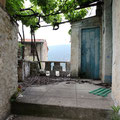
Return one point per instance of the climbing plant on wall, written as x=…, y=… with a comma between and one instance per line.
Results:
x=51, y=11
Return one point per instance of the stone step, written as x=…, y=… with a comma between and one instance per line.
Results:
x=24, y=117
x=55, y=111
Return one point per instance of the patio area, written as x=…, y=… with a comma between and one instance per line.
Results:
x=66, y=93
x=64, y=98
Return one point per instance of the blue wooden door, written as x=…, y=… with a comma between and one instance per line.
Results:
x=90, y=53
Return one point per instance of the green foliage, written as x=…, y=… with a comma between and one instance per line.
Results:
x=69, y=32
x=116, y=109
x=76, y=15
x=20, y=45
x=13, y=6
x=115, y=115
x=45, y=7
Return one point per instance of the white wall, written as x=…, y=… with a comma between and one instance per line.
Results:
x=107, y=42
x=116, y=52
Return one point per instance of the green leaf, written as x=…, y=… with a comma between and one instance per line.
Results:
x=45, y=7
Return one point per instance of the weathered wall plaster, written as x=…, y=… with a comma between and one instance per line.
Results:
x=8, y=62
x=41, y=49
x=75, y=52
x=116, y=52
x=107, y=42
x=23, y=70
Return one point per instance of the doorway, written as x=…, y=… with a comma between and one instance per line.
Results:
x=90, y=53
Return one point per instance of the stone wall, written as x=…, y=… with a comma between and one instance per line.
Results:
x=75, y=52
x=44, y=54
x=42, y=50
x=116, y=52
x=23, y=70
x=107, y=42
x=8, y=62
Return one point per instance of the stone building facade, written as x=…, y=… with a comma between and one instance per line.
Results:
x=42, y=50
x=104, y=60
x=8, y=62
x=24, y=66
x=110, y=57
x=76, y=42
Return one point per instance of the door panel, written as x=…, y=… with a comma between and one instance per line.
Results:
x=90, y=53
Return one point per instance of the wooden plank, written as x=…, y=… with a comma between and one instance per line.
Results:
x=97, y=53
x=83, y=57
x=92, y=53
x=88, y=54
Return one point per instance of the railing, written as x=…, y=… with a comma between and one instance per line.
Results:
x=56, y=68
x=48, y=68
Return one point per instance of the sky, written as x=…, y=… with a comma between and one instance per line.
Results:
x=53, y=37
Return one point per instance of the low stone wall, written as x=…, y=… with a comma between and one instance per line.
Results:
x=34, y=69
x=23, y=70
x=8, y=62
x=116, y=52
x=57, y=68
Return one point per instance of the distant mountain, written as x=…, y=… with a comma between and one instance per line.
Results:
x=59, y=53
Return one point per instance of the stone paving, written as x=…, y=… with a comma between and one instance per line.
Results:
x=66, y=93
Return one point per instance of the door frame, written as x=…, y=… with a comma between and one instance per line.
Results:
x=76, y=28
x=82, y=47
x=90, y=23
